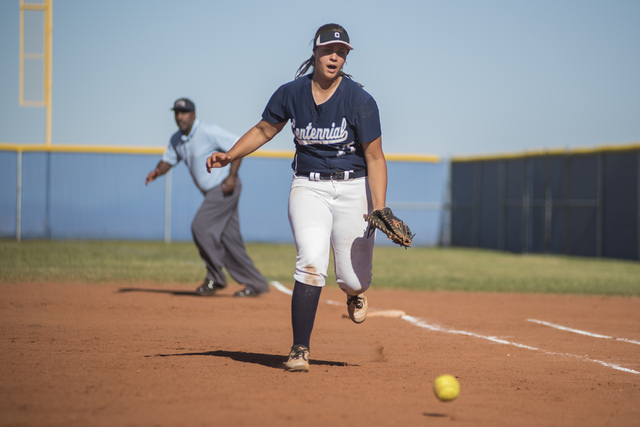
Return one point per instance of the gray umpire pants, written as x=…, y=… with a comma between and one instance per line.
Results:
x=216, y=232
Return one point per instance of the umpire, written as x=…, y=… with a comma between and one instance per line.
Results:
x=216, y=226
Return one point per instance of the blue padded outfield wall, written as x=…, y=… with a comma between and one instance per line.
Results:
x=87, y=194
x=583, y=203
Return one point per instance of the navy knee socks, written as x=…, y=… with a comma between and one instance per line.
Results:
x=304, y=303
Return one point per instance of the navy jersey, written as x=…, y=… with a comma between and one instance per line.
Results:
x=328, y=136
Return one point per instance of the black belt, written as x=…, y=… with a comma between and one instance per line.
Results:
x=335, y=176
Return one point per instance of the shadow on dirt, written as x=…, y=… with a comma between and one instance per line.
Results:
x=269, y=360
x=169, y=291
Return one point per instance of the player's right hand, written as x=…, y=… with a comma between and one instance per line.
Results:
x=218, y=160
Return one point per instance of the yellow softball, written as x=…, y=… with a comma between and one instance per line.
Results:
x=446, y=388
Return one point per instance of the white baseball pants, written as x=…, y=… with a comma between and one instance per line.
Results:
x=325, y=214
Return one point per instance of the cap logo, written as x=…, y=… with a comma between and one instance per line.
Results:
x=333, y=36
x=181, y=103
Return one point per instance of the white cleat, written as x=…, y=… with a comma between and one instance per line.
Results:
x=298, y=359
x=357, y=306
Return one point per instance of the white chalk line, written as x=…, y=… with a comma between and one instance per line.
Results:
x=436, y=328
x=417, y=322
x=281, y=288
x=578, y=331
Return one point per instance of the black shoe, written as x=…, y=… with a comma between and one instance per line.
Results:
x=208, y=288
x=248, y=292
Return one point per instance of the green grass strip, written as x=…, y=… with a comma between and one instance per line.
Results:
x=428, y=269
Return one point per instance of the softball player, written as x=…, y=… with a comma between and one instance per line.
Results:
x=340, y=174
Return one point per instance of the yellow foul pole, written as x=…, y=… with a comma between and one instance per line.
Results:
x=48, y=55
x=21, y=83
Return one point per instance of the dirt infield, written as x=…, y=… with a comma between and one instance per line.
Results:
x=106, y=355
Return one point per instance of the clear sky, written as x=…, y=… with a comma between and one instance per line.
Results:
x=451, y=77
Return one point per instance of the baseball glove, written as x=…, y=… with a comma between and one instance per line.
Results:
x=385, y=221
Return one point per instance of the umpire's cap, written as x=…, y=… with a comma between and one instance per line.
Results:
x=184, y=104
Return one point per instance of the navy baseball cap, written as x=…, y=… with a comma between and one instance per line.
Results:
x=329, y=37
x=184, y=104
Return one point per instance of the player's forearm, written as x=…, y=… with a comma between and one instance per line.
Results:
x=377, y=172
x=377, y=175
x=250, y=142
x=255, y=138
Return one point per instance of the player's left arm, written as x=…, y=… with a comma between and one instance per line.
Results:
x=377, y=172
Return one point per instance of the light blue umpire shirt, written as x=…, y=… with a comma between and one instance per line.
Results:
x=194, y=149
